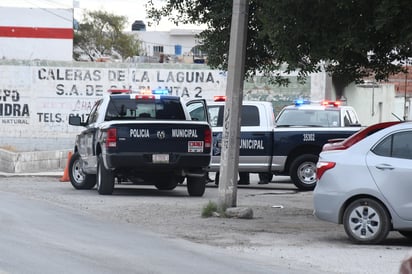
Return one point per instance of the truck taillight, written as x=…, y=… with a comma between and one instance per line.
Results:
x=111, y=140
x=208, y=138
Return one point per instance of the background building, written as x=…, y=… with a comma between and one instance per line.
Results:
x=173, y=46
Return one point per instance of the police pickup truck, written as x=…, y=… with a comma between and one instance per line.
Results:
x=288, y=145
x=142, y=139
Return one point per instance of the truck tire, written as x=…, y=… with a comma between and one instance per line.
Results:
x=78, y=178
x=265, y=177
x=105, y=178
x=303, y=171
x=196, y=186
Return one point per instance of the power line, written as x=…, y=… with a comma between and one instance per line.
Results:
x=50, y=11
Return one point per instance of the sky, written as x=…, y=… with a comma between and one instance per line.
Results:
x=132, y=9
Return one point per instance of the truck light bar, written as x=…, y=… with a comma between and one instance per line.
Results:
x=299, y=102
x=331, y=103
x=219, y=98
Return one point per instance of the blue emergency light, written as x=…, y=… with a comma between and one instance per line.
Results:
x=160, y=91
x=299, y=102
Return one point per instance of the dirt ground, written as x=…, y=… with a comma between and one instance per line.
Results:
x=283, y=228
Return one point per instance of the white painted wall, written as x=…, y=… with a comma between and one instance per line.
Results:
x=36, y=98
x=28, y=48
x=373, y=105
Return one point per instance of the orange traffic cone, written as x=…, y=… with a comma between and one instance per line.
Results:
x=65, y=177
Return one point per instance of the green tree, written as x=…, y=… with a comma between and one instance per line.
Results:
x=100, y=34
x=351, y=39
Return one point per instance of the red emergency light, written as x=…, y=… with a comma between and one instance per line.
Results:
x=331, y=103
x=219, y=98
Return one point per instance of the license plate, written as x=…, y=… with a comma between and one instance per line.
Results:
x=160, y=158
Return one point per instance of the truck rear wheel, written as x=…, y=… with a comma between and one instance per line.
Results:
x=78, y=178
x=105, y=178
x=196, y=186
x=303, y=171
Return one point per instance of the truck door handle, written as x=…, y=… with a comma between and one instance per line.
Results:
x=384, y=167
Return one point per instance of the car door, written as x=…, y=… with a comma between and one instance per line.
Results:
x=198, y=110
x=255, y=137
x=390, y=164
x=87, y=140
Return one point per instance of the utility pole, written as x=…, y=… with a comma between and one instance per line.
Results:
x=234, y=94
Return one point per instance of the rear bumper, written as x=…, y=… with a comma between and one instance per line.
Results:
x=327, y=206
x=144, y=162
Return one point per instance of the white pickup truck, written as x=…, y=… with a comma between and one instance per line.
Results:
x=288, y=145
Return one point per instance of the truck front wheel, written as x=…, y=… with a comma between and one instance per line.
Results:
x=196, y=186
x=303, y=171
x=105, y=178
x=265, y=177
x=78, y=178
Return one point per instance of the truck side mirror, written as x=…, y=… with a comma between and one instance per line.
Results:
x=75, y=121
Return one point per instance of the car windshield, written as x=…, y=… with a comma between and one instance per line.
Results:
x=308, y=117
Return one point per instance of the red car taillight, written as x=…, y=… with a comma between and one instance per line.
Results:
x=321, y=167
x=111, y=139
x=208, y=138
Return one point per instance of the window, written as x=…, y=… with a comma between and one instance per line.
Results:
x=349, y=118
x=94, y=113
x=130, y=109
x=397, y=145
x=309, y=117
x=250, y=116
x=157, y=50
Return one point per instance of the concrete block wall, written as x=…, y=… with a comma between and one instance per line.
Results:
x=36, y=161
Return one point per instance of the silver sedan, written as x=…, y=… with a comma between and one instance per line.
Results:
x=367, y=187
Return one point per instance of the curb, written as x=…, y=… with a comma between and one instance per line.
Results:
x=32, y=162
x=56, y=174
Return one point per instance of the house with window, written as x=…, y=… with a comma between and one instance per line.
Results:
x=173, y=46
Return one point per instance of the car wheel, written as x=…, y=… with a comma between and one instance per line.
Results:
x=105, y=178
x=166, y=182
x=196, y=186
x=303, y=171
x=366, y=221
x=78, y=178
x=406, y=234
x=265, y=177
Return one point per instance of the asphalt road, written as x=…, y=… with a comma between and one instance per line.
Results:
x=38, y=237
x=49, y=227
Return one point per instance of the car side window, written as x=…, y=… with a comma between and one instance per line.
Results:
x=250, y=116
x=94, y=113
x=401, y=147
x=349, y=118
x=396, y=146
x=214, y=115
